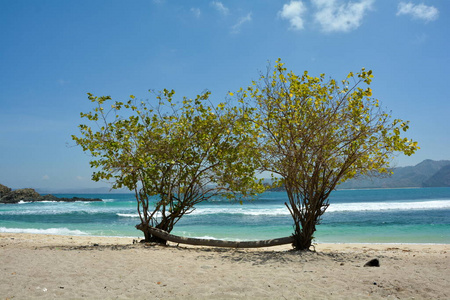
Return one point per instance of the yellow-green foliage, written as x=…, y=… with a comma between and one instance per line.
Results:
x=317, y=133
x=312, y=132
x=180, y=153
x=310, y=122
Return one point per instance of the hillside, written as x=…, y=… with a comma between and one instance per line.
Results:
x=440, y=178
x=428, y=173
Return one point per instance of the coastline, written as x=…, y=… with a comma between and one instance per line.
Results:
x=65, y=267
x=408, y=216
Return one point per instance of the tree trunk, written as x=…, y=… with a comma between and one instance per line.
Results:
x=148, y=236
x=302, y=243
x=219, y=243
x=303, y=236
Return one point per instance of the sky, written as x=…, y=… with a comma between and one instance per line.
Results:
x=52, y=53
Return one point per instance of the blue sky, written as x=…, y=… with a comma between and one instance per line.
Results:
x=53, y=52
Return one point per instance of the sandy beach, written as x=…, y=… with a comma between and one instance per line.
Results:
x=69, y=267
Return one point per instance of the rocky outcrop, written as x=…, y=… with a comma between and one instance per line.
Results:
x=20, y=195
x=30, y=195
x=4, y=190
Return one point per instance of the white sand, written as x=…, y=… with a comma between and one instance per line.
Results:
x=62, y=267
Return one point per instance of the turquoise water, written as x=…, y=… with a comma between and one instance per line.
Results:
x=354, y=216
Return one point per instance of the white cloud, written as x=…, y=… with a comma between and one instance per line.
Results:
x=293, y=12
x=237, y=27
x=419, y=11
x=196, y=11
x=220, y=7
x=333, y=16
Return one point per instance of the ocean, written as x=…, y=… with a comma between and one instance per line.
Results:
x=419, y=215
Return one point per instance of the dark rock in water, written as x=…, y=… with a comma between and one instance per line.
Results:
x=73, y=199
x=50, y=197
x=4, y=190
x=30, y=195
x=372, y=263
x=20, y=195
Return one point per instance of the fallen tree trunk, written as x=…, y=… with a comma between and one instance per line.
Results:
x=219, y=243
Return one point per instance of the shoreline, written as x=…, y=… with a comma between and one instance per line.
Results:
x=141, y=237
x=44, y=239
x=136, y=237
x=66, y=267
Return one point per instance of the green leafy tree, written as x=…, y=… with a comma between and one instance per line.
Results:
x=318, y=134
x=172, y=155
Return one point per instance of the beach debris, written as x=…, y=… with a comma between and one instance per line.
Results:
x=164, y=235
x=372, y=263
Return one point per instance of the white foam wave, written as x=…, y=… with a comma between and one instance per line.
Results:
x=205, y=237
x=128, y=215
x=257, y=211
x=382, y=206
x=245, y=210
x=337, y=207
x=108, y=200
x=279, y=210
x=55, y=231
x=136, y=215
x=55, y=201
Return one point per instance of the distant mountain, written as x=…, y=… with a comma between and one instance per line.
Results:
x=425, y=174
x=428, y=173
x=440, y=178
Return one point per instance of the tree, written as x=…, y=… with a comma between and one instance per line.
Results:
x=318, y=134
x=174, y=155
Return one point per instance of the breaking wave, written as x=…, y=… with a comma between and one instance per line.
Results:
x=279, y=210
x=55, y=231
